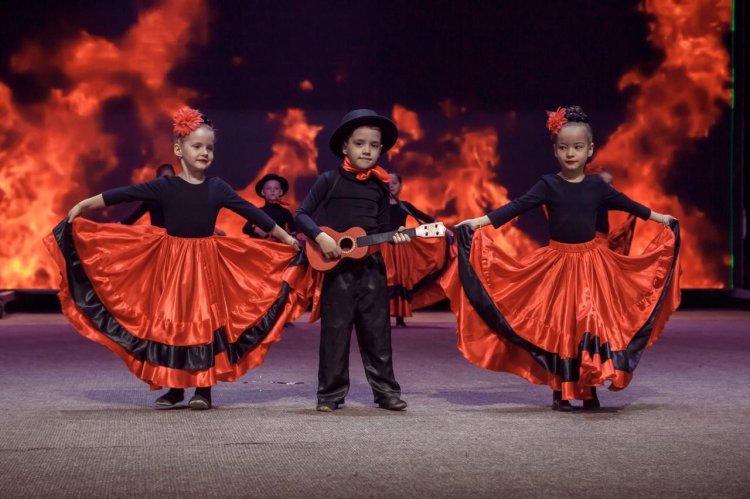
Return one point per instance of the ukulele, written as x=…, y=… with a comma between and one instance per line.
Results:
x=354, y=243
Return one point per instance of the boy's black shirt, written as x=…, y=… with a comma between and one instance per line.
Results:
x=350, y=203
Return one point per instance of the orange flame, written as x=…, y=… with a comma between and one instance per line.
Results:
x=47, y=144
x=679, y=102
x=458, y=185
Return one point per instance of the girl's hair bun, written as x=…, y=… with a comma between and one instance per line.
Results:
x=576, y=114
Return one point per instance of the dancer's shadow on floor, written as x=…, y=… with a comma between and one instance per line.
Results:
x=536, y=400
x=131, y=396
x=492, y=396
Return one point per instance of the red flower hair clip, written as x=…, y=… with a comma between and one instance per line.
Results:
x=185, y=121
x=556, y=120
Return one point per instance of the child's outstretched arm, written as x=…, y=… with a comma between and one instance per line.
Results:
x=475, y=223
x=281, y=235
x=616, y=200
x=661, y=218
x=138, y=192
x=255, y=215
x=533, y=198
x=87, y=204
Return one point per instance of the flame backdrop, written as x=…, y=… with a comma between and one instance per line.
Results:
x=87, y=89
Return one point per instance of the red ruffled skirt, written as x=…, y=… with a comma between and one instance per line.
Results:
x=412, y=270
x=429, y=291
x=620, y=238
x=571, y=316
x=179, y=312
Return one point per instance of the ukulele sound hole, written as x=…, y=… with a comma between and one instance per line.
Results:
x=346, y=244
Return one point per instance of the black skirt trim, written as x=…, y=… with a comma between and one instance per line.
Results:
x=195, y=358
x=567, y=369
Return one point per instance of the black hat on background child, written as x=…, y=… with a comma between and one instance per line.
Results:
x=358, y=118
x=271, y=176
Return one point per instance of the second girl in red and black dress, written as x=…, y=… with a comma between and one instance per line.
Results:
x=572, y=315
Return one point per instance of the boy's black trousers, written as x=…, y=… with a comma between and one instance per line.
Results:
x=355, y=293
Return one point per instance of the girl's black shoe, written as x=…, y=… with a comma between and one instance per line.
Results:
x=558, y=404
x=201, y=400
x=593, y=403
x=172, y=397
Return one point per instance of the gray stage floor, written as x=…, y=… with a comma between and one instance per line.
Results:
x=75, y=423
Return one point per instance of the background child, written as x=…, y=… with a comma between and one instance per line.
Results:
x=179, y=307
x=408, y=265
x=272, y=188
x=572, y=315
x=354, y=294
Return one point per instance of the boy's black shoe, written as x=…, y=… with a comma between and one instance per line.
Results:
x=327, y=406
x=558, y=404
x=172, y=397
x=593, y=403
x=392, y=404
x=201, y=400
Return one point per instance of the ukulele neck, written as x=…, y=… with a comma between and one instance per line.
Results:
x=383, y=237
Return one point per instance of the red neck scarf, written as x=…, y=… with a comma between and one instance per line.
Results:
x=279, y=202
x=376, y=170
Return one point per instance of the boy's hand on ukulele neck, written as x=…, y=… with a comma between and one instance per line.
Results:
x=328, y=246
x=399, y=237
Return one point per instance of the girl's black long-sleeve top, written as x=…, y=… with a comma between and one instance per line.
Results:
x=572, y=207
x=190, y=210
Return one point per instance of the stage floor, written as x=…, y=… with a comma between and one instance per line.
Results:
x=74, y=422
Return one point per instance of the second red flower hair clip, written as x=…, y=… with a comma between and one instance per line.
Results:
x=556, y=120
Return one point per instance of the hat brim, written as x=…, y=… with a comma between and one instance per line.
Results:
x=271, y=176
x=388, y=130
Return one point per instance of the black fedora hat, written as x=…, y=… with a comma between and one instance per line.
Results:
x=358, y=118
x=271, y=176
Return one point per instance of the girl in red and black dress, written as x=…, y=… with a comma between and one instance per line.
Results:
x=572, y=315
x=413, y=266
x=180, y=307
